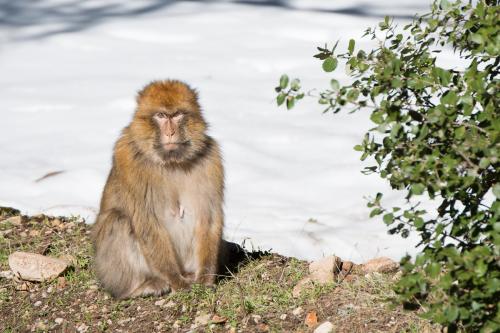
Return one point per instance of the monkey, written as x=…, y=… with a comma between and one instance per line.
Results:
x=160, y=222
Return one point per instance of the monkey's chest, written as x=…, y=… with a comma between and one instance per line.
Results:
x=180, y=223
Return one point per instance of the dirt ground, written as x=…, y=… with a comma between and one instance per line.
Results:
x=255, y=297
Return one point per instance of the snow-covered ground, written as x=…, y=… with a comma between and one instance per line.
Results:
x=69, y=72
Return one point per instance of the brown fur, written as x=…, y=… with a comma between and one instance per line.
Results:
x=160, y=222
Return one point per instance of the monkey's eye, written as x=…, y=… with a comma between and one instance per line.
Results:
x=161, y=115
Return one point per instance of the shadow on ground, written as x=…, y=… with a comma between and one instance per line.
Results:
x=52, y=17
x=233, y=257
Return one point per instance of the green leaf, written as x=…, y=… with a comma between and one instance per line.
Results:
x=329, y=64
x=388, y=218
x=496, y=190
x=290, y=102
x=335, y=84
x=433, y=269
x=283, y=81
x=351, y=46
x=295, y=84
x=280, y=99
x=417, y=189
x=358, y=148
x=451, y=313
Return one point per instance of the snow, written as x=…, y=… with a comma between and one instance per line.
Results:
x=70, y=71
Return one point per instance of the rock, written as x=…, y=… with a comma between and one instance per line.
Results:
x=160, y=302
x=325, y=327
x=298, y=311
x=262, y=327
x=56, y=223
x=61, y=282
x=256, y=318
x=14, y=220
x=202, y=320
x=70, y=260
x=283, y=316
x=216, y=319
x=170, y=304
x=35, y=267
x=324, y=270
x=311, y=319
x=37, y=304
x=380, y=265
x=59, y=321
x=300, y=286
x=347, y=266
x=82, y=328
x=7, y=275
x=34, y=233
x=5, y=232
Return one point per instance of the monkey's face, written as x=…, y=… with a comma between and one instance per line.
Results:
x=168, y=122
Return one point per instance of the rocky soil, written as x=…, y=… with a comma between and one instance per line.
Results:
x=47, y=284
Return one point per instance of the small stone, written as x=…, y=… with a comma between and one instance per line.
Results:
x=202, y=320
x=324, y=270
x=347, y=266
x=69, y=259
x=311, y=319
x=22, y=287
x=35, y=267
x=160, y=302
x=34, y=233
x=5, y=232
x=61, y=282
x=298, y=311
x=40, y=326
x=380, y=265
x=82, y=328
x=325, y=327
x=216, y=319
x=7, y=275
x=59, y=321
x=170, y=304
x=37, y=303
x=303, y=283
x=48, y=232
x=176, y=324
x=23, y=234
x=262, y=327
x=14, y=220
x=256, y=318
x=56, y=223
x=283, y=316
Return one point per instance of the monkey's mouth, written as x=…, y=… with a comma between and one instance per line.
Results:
x=174, y=145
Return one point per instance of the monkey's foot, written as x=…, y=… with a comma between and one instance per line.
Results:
x=152, y=286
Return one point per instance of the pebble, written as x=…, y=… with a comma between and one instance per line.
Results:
x=59, y=321
x=325, y=327
x=37, y=303
x=160, y=302
x=298, y=311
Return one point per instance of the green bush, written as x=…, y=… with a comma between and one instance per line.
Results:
x=436, y=137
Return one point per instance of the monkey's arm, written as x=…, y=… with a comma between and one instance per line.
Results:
x=208, y=235
x=160, y=255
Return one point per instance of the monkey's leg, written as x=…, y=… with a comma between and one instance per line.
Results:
x=161, y=257
x=119, y=263
x=208, y=235
x=152, y=286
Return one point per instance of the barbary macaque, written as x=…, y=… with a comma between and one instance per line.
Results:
x=160, y=222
